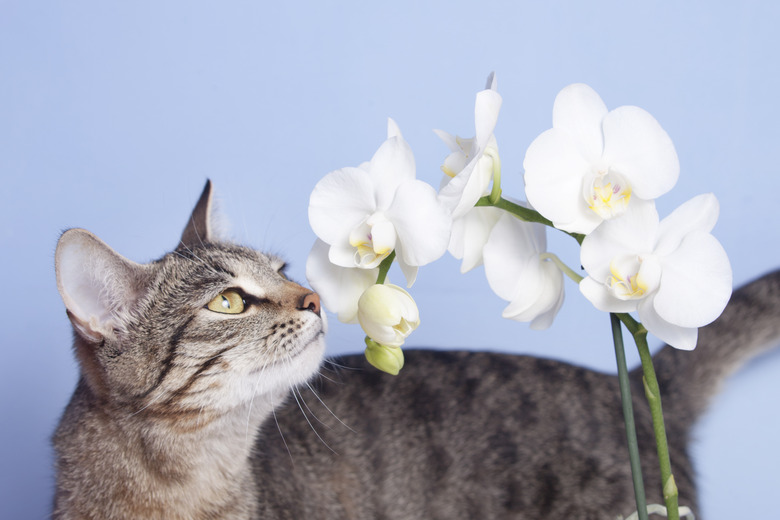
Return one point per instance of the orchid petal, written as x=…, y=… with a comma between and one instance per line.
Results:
x=578, y=111
x=696, y=282
x=391, y=165
x=554, y=280
x=470, y=234
x=454, y=164
x=409, y=271
x=598, y=294
x=554, y=169
x=383, y=236
x=633, y=233
x=509, y=255
x=636, y=146
x=683, y=338
x=423, y=239
x=392, y=129
x=339, y=202
x=486, y=110
x=540, y=309
x=698, y=214
x=339, y=287
x=449, y=139
x=343, y=255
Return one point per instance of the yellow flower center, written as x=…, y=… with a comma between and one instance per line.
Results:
x=607, y=193
x=373, y=240
x=633, y=277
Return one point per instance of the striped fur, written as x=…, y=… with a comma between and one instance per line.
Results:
x=183, y=413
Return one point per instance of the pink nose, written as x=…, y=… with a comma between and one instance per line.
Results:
x=311, y=302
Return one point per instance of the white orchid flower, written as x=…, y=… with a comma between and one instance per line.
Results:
x=518, y=270
x=339, y=287
x=673, y=273
x=365, y=213
x=387, y=314
x=469, y=168
x=470, y=233
x=592, y=164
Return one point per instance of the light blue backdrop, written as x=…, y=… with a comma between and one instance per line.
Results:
x=112, y=116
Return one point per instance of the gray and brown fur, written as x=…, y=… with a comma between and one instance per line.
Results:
x=182, y=413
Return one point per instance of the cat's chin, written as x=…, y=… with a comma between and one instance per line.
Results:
x=289, y=372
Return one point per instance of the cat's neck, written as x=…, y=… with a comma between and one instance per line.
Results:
x=156, y=467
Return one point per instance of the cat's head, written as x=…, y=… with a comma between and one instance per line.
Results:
x=209, y=326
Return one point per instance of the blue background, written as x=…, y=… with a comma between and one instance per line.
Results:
x=112, y=116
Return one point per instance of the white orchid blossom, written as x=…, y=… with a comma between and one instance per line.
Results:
x=339, y=287
x=365, y=213
x=518, y=270
x=673, y=273
x=470, y=233
x=387, y=314
x=469, y=168
x=592, y=164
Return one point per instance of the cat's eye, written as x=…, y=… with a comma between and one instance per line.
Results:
x=227, y=302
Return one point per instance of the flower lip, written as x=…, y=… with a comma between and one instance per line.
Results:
x=633, y=277
x=373, y=239
x=607, y=193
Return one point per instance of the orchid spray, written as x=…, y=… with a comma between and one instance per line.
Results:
x=594, y=175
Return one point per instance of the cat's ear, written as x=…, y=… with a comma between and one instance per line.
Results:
x=97, y=284
x=199, y=228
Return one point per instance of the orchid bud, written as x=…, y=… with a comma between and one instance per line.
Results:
x=387, y=314
x=387, y=359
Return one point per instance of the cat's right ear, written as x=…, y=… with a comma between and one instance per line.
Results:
x=97, y=284
x=199, y=228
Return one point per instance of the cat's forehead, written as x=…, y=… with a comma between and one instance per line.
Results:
x=227, y=261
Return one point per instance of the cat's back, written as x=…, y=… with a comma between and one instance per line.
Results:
x=454, y=435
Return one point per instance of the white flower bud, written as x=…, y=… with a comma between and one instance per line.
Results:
x=387, y=314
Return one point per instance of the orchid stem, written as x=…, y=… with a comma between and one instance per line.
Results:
x=568, y=271
x=653, y=394
x=523, y=213
x=384, y=267
x=628, y=418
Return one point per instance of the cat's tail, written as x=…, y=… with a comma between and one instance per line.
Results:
x=749, y=326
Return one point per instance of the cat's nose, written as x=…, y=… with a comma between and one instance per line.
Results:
x=311, y=302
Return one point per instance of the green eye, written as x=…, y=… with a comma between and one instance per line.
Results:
x=227, y=302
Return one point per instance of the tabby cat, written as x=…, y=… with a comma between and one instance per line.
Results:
x=203, y=394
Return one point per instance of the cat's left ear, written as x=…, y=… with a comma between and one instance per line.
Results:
x=199, y=229
x=98, y=285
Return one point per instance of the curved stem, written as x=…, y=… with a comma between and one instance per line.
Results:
x=568, y=271
x=384, y=267
x=628, y=418
x=523, y=213
x=653, y=394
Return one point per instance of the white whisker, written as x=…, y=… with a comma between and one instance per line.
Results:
x=284, y=441
x=310, y=423
x=328, y=409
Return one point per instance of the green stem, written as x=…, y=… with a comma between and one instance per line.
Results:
x=523, y=213
x=628, y=417
x=653, y=394
x=384, y=267
x=568, y=271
